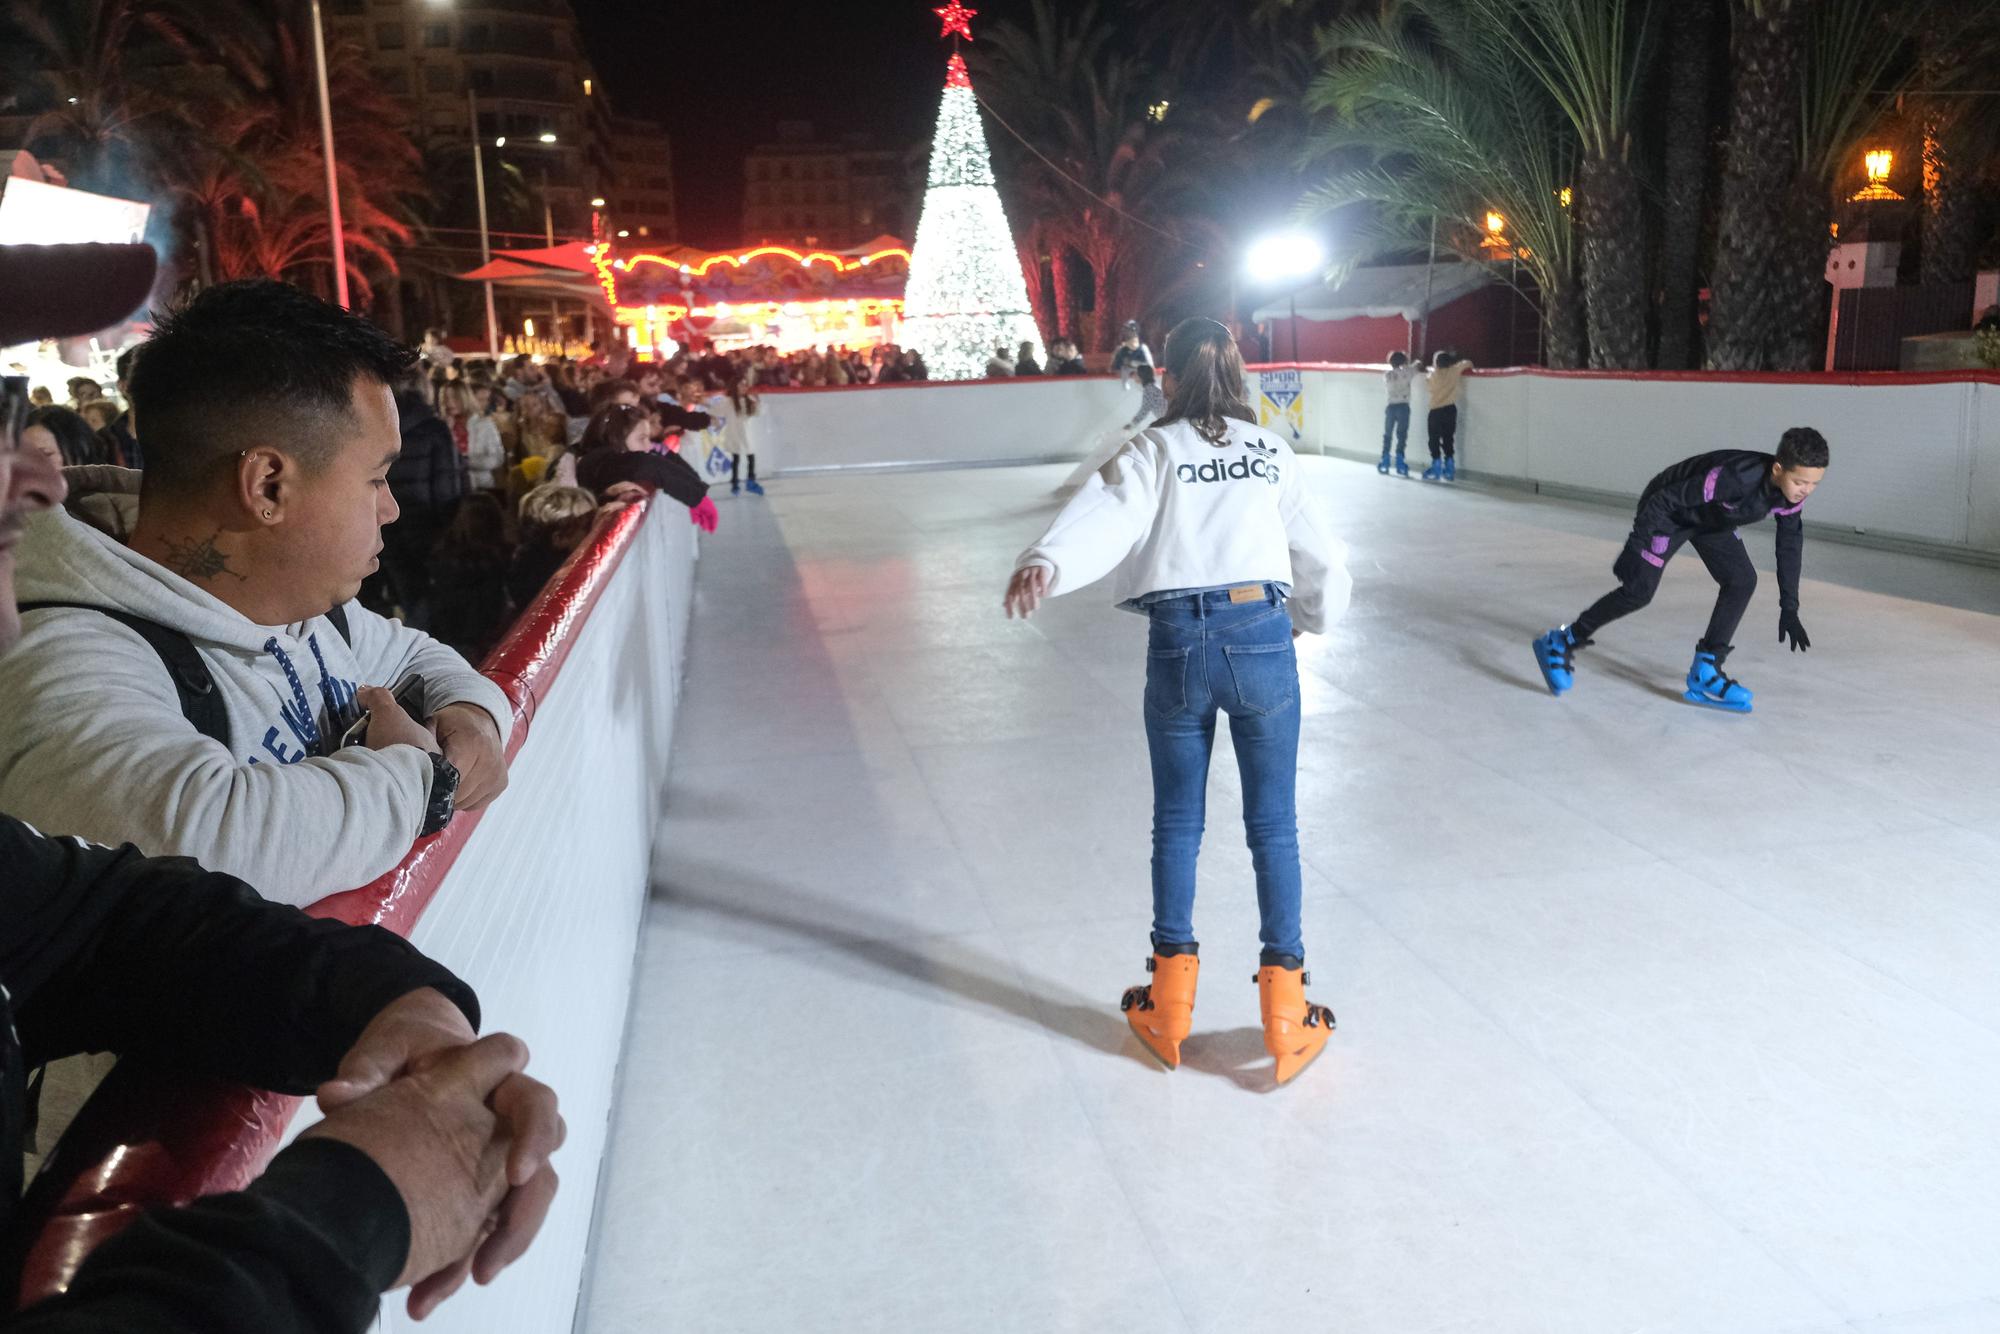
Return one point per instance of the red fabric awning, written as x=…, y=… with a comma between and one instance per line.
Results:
x=495, y=270
x=574, y=256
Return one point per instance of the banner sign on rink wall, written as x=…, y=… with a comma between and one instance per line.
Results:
x=1281, y=402
x=706, y=450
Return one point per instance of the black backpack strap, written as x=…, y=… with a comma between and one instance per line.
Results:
x=339, y=618
x=201, y=704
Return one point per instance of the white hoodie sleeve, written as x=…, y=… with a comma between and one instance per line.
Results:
x=389, y=651
x=105, y=753
x=1320, y=583
x=1104, y=521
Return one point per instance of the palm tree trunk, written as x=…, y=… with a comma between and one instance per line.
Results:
x=1767, y=57
x=1950, y=228
x=1951, y=231
x=1689, y=68
x=1613, y=225
x=1038, y=287
x=1799, y=279
x=1062, y=280
x=1563, y=326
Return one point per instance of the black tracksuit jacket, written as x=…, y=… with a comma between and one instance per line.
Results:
x=1714, y=493
x=601, y=469
x=103, y=949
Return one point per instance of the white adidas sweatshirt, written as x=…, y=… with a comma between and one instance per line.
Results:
x=93, y=742
x=1172, y=511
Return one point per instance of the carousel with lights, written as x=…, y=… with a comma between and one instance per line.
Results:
x=769, y=295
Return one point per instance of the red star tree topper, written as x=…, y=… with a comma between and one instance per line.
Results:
x=957, y=20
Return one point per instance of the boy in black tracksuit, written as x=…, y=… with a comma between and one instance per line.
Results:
x=1703, y=501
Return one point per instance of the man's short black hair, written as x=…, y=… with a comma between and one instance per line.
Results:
x=253, y=363
x=1802, y=447
x=125, y=363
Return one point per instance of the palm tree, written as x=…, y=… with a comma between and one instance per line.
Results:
x=1587, y=55
x=1097, y=163
x=109, y=83
x=259, y=182
x=1428, y=126
x=1810, y=77
x=213, y=107
x=1690, y=43
x=1956, y=51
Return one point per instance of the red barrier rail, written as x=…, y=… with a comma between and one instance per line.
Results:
x=151, y=1137
x=1861, y=378
x=929, y=384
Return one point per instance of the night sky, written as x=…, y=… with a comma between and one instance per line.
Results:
x=721, y=76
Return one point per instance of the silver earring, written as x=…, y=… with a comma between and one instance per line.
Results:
x=267, y=514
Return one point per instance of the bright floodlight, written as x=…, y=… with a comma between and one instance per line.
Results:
x=1285, y=255
x=548, y=138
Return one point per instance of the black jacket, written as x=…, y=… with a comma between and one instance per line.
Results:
x=682, y=419
x=1074, y=366
x=1713, y=493
x=534, y=562
x=103, y=949
x=120, y=446
x=429, y=476
x=601, y=468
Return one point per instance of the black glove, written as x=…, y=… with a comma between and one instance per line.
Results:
x=1789, y=627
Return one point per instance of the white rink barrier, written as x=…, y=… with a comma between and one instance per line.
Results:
x=970, y=423
x=541, y=911
x=1916, y=457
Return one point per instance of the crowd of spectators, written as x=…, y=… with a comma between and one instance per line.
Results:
x=1063, y=359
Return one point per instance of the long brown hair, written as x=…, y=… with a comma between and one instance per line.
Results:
x=1209, y=387
x=609, y=428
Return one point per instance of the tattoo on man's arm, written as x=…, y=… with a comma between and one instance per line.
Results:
x=199, y=559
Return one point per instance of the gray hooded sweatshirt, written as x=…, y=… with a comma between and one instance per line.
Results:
x=93, y=742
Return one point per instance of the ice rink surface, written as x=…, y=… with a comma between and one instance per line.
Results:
x=1651, y=1018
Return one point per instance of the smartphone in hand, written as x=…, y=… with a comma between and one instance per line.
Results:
x=410, y=698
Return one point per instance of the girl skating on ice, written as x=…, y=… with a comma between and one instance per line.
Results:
x=1206, y=527
x=1702, y=501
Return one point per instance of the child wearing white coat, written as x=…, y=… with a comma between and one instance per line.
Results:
x=1205, y=526
x=742, y=434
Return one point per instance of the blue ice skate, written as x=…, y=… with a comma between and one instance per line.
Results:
x=1555, y=654
x=1450, y=468
x=753, y=488
x=1435, y=472
x=1707, y=685
x=1383, y=466
x=1402, y=465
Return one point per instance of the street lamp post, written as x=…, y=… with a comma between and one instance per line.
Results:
x=549, y=234
x=326, y=150
x=485, y=237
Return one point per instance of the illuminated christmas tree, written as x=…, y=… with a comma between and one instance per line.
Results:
x=966, y=294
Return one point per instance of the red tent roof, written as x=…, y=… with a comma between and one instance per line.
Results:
x=496, y=269
x=574, y=256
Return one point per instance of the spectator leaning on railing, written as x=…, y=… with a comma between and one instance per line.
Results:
x=432, y=1164
x=189, y=689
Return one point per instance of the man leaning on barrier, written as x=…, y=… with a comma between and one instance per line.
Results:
x=432, y=1163
x=194, y=665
